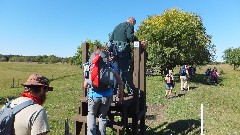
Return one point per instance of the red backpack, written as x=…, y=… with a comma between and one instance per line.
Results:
x=101, y=76
x=214, y=74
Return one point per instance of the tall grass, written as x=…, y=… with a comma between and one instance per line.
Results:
x=179, y=115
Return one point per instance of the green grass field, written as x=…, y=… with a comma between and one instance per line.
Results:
x=179, y=115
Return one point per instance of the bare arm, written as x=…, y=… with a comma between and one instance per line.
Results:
x=85, y=83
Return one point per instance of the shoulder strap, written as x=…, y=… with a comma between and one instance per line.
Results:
x=21, y=106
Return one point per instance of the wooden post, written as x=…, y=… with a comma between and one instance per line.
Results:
x=136, y=76
x=142, y=100
x=85, y=58
x=136, y=82
x=81, y=127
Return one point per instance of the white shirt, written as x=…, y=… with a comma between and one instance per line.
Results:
x=31, y=120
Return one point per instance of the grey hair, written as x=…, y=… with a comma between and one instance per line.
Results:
x=132, y=19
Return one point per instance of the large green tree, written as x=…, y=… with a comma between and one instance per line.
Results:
x=232, y=57
x=176, y=38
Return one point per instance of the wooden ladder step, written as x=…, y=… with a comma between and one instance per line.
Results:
x=80, y=118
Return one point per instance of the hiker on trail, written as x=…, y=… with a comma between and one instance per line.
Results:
x=119, y=47
x=100, y=92
x=208, y=75
x=214, y=76
x=184, y=77
x=191, y=70
x=32, y=120
x=169, y=79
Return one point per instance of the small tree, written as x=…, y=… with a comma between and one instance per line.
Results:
x=232, y=57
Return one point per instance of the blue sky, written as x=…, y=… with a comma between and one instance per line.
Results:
x=58, y=27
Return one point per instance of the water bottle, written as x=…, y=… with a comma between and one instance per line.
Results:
x=86, y=70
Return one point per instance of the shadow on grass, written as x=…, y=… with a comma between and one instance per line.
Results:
x=192, y=87
x=154, y=131
x=181, y=94
x=179, y=127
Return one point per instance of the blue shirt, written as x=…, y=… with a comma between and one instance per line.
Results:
x=99, y=94
x=114, y=66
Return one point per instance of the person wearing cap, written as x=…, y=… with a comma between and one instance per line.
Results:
x=32, y=120
x=119, y=46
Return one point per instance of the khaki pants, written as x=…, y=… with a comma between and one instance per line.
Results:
x=184, y=82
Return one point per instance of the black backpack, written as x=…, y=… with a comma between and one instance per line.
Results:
x=7, y=116
x=183, y=72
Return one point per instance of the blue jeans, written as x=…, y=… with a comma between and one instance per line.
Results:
x=98, y=107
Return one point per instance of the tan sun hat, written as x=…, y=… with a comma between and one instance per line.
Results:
x=36, y=79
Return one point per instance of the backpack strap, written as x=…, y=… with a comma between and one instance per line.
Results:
x=23, y=105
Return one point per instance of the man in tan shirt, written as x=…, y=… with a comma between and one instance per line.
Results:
x=32, y=120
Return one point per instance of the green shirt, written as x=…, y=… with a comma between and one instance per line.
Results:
x=123, y=32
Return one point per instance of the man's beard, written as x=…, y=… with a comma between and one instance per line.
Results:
x=43, y=98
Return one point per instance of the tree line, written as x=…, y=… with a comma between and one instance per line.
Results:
x=51, y=59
